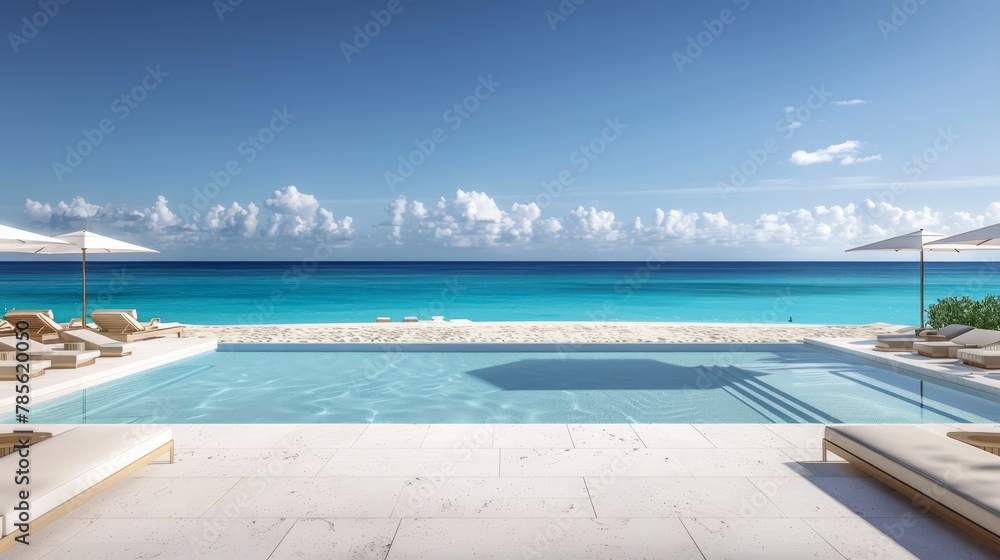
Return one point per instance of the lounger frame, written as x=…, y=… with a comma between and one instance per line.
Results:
x=123, y=326
x=918, y=498
x=42, y=327
x=144, y=334
x=9, y=541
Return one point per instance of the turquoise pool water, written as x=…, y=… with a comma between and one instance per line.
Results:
x=793, y=385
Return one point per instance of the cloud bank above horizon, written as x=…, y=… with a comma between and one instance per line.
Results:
x=292, y=219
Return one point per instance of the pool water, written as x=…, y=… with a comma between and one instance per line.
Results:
x=795, y=385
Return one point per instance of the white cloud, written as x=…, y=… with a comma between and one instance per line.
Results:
x=822, y=227
x=233, y=219
x=77, y=209
x=293, y=214
x=802, y=157
x=159, y=216
x=290, y=202
x=593, y=224
x=418, y=210
x=845, y=152
x=850, y=160
x=792, y=124
x=847, y=102
x=297, y=214
x=474, y=219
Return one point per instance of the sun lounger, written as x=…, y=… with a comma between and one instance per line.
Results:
x=61, y=359
x=11, y=442
x=10, y=370
x=977, y=338
x=73, y=467
x=123, y=325
x=383, y=319
x=952, y=479
x=91, y=340
x=902, y=342
x=981, y=358
x=6, y=329
x=410, y=320
x=42, y=325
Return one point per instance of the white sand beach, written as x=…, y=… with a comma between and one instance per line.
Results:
x=530, y=331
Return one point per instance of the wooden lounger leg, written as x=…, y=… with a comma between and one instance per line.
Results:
x=171, y=451
x=824, y=450
x=38, y=523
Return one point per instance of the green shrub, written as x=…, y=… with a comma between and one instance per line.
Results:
x=982, y=314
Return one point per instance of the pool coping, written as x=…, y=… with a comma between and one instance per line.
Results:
x=946, y=370
x=58, y=382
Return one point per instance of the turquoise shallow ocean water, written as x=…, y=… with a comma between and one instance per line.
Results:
x=280, y=292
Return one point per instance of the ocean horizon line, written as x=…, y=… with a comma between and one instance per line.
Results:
x=50, y=259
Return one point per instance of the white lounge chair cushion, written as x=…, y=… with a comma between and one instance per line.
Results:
x=96, y=339
x=8, y=368
x=58, y=356
x=125, y=321
x=117, y=320
x=949, y=332
x=11, y=343
x=74, y=461
x=957, y=475
x=976, y=338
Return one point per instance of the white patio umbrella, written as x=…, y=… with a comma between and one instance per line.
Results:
x=82, y=242
x=18, y=239
x=919, y=241
x=983, y=238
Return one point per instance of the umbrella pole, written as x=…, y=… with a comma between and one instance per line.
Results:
x=84, y=310
x=921, y=288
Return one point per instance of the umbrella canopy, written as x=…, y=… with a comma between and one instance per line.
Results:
x=87, y=241
x=84, y=242
x=19, y=240
x=982, y=238
x=919, y=241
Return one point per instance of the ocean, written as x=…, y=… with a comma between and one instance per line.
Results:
x=310, y=292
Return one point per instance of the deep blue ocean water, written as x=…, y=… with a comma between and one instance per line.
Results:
x=290, y=292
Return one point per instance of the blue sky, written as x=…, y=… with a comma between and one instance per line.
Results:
x=644, y=109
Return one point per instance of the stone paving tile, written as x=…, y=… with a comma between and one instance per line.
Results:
x=591, y=462
x=413, y=462
x=510, y=436
x=552, y=539
x=337, y=539
x=764, y=538
x=392, y=436
x=601, y=436
x=902, y=538
x=494, y=497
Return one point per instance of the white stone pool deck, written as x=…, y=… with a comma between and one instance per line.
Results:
x=950, y=370
x=401, y=491
x=146, y=355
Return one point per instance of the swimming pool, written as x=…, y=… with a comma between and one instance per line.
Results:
x=786, y=383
